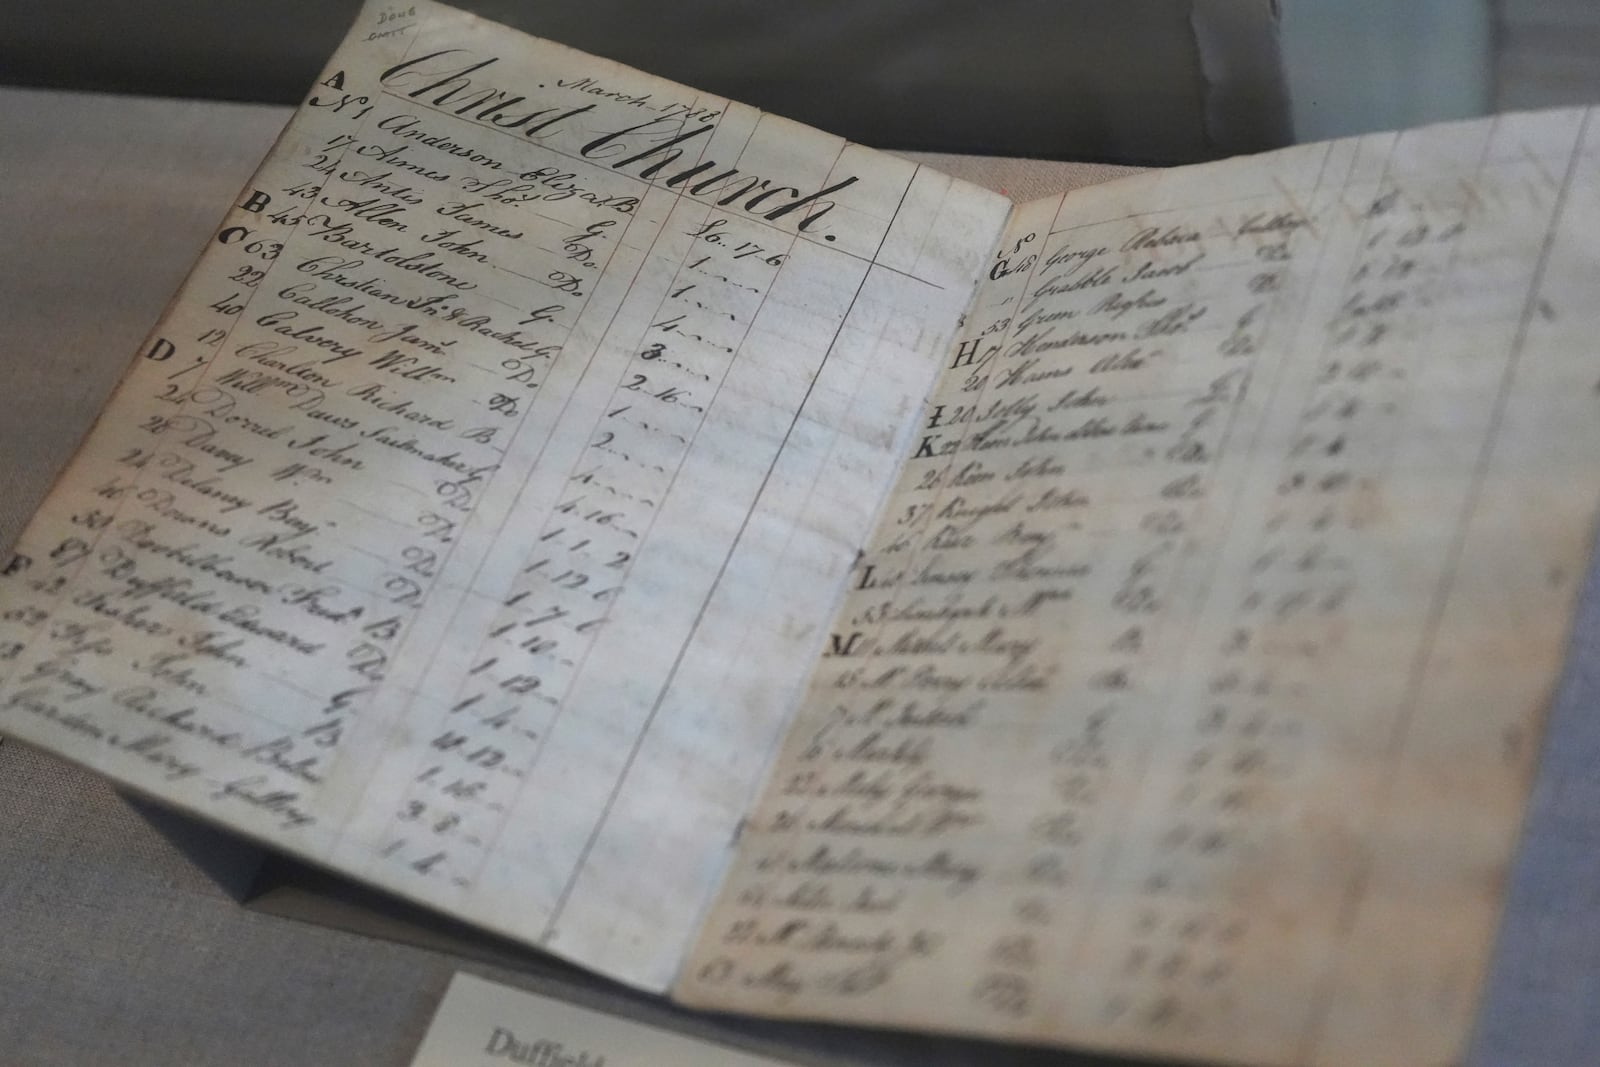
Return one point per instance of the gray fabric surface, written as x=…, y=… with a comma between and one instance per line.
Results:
x=1542, y=1005
x=122, y=937
x=1133, y=80
x=117, y=949
x=106, y=202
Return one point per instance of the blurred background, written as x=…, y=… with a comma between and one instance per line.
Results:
x=1125, y=81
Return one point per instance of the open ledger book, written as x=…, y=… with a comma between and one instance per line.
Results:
x=765, y=570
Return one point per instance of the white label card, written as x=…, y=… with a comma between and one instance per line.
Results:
x=481, y=1023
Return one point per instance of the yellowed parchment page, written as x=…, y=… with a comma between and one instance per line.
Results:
x=1187, y=696
x=469, y=521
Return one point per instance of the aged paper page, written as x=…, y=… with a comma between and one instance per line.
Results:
x=469, y=522
x=1188, y=694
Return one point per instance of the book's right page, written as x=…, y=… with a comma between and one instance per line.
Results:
x=1188, y=696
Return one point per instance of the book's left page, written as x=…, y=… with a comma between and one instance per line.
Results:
x=470, y=517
